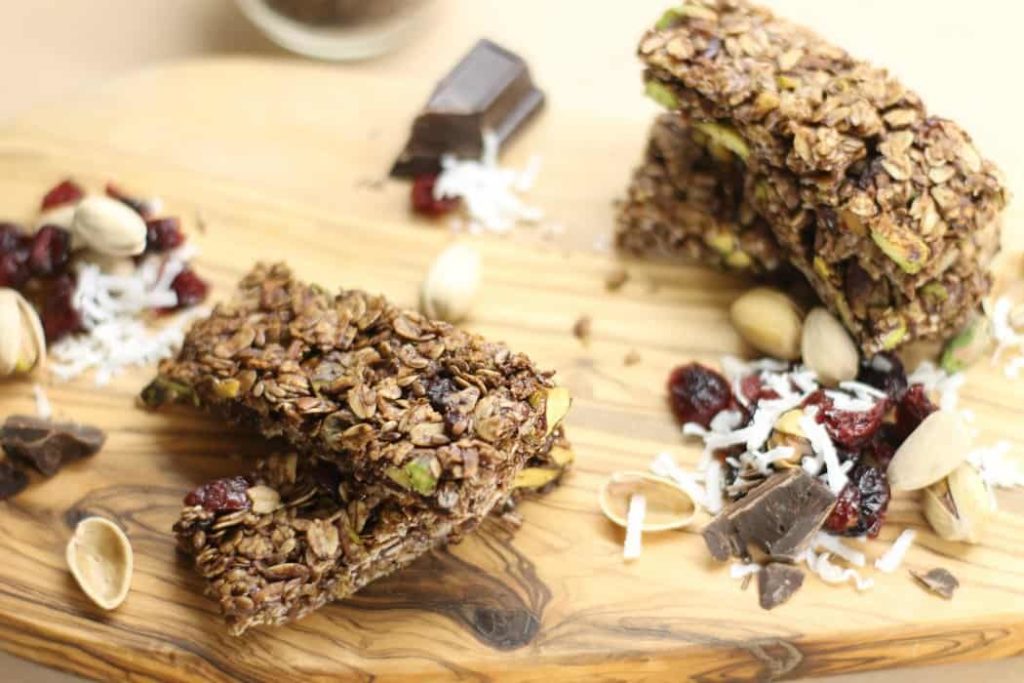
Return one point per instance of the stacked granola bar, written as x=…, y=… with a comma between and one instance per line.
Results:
x=429, y=426
x=890, y=213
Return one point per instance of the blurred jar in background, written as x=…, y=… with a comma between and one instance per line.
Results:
x=336, y=29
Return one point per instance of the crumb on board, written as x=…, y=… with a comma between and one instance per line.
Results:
x=632, y=358
x=581, y=329
x=614, y=281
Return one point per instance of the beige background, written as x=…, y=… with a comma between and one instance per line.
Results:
x=962, y=56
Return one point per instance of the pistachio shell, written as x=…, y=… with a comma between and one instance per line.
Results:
x=109, y=227
x=561, y=456
x=535, y=477
x=668, y=505
x=22, y=342
x=100, y=558
x=769, y=321
x=959, y=506
x=828, y=348
x=556, y=407
x=933, y=450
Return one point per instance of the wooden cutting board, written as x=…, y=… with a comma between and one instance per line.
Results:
x=281, y=159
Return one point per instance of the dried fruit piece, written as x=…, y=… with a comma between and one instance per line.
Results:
x=65, y=192
x=423, y=200
x=828, y=349
x=911, y=411
x=851, y=429
x=59, y=316
x=48, y=445
x=932, y=451
x=190, y=288
x=861, y=506
x=939, y=581
x=769, y=321
x=884, y=371
x=221, y=495
x=100, y=558
x=50, y=251
x=668, y=505
x=163, y=234
x=697, y=394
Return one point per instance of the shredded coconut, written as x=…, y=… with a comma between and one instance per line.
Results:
x=111, y=305
x=830, y=572
x=634, y=526
x=43, y=407
x=1007, y=338
x=714, y=484
x=665, y=466
x=489, y=192
x=997, y=469
x=824, y=449
x=835, y=546
x=739, y=570
x=893, y=557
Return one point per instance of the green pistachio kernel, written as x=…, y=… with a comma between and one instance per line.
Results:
x=891, y=339
x=162, y=391
x=662, y=94
x=415, y=475
x=969, y=345
x=905, y=248
x=726, y=136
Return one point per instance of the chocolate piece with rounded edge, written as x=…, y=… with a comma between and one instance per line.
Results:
x=48, y=445
x=777, y=582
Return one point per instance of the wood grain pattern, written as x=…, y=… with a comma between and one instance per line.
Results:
x=554, y=599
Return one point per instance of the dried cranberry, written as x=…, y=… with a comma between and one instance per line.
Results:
x=221, y=495
x=141, y=206
x=423, y=201
x=14, y=270
x=11, y=238
x=50, y=251
x=912, y=409
x=882, y=447
x=438, y=391
x=58, y=314
x=65, y=192
x=697, y=393
x=190, y=288
x=885, y=372
x=852, y=429
x=861, y=506
x=754, y=389
x=163, y=234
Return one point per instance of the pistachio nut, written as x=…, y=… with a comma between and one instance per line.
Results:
x=100, y=558
x=972, y=343
x=788, y=432
x=726, y=136
x=22, y=343
x=959, y=506
x=109, y=227
x=828, y=348
x=901, y=245
x=662, y=94
x=769, y=321
x=668, y=505
x=937, y=447
x=451, y=284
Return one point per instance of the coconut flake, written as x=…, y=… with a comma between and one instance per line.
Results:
x=43, y=408
x=665, y=466
x=714, y=485
x=861, y=390
x=726, y=421
x=824, y=449
x=739, y=570
x=835, y=546
x=634, y=526
x=997, y=469
x=832, y=573
x=893, y=557
x=489, y=192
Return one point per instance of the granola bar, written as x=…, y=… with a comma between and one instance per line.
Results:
x=417, y=407
x=686, y=202
x=890, y=213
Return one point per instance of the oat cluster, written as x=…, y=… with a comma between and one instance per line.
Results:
x=890, y=212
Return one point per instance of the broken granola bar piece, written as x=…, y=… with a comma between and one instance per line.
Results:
x=890, y=212
x=686, y=202
x=413, y=405
x=780, y=517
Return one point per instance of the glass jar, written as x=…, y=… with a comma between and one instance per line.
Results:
x=336, y=29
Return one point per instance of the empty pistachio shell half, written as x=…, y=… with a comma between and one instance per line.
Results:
x=769, y=321
x=933, y=450
x=958, y=506
x=668, y=506
x=828, y=348
x=100, y=558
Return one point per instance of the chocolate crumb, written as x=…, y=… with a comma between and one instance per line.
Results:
x=581, y=329
x=12, y=480
x=939, y=581
x=780, y=517
x=47, y=445
x=776, y=583
x=632, y=358
x=616, y=279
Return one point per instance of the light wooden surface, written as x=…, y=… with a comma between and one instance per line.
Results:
x=281, y=159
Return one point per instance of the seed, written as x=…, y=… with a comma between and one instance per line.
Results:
x=932, y=451
x=769, y=321
x=828, y=349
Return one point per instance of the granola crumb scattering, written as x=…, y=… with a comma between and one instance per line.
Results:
x=581, y=329
x=616, y=279
x=890, y=213
x=631, y=358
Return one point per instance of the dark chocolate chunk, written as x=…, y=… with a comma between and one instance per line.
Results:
x=776, y=583
x=939, y=581
x=779, y=516
x=489, y=89
x=48, y=445
x=12, y=480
